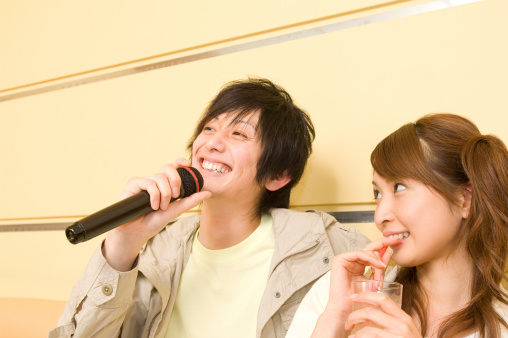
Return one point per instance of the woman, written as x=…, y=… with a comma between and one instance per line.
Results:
x=441, y=189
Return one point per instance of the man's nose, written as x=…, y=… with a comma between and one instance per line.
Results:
x=216, y=141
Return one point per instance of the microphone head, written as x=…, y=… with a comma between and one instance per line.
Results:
x=192, y=181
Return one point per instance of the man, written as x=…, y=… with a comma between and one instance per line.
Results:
x=240, y=267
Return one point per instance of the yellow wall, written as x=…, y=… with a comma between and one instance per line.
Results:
x=69, y=152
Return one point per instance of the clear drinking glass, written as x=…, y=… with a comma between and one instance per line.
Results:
x=391, y=289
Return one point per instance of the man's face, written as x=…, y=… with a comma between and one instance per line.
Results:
x=226, y=153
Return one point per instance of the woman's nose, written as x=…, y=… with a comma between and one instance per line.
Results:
x=383, y=213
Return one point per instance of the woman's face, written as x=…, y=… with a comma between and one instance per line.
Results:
x=426, y=223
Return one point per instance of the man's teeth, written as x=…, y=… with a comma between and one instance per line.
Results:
x=401, y=236
x=214, y=167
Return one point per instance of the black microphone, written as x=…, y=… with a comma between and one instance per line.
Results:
x=128, y=209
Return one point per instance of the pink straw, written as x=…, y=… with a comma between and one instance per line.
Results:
x=381, y=254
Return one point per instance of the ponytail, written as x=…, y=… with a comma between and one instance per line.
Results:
x=485, y=162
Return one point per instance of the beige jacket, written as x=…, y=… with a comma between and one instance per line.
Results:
x=138, y=303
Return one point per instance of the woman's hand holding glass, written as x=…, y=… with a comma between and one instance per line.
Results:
x=348, y=267
x=388, y=318
x=384, y=315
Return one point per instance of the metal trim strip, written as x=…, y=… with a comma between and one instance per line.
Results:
x=342, y=216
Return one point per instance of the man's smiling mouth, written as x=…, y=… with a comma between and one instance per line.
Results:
x=215, y=167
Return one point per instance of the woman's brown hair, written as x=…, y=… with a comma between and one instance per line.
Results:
x=448, y=153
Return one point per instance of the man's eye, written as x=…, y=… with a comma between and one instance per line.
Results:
x=399, y=187
x=237, y=133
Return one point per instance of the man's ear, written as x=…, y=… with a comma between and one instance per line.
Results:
x=466, y=200
x=279, y=182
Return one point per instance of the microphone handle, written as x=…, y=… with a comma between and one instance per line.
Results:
x=109, y=218
x=128, y=209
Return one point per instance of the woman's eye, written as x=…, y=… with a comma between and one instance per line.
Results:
x=377, y=194
x=399, y=187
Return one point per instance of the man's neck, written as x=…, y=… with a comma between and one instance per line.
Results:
x=223, y=225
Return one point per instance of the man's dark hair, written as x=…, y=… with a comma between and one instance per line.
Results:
x=286, y=132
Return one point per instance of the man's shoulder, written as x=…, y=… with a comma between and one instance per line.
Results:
x=297, y=224
x=312, y=216
x=342, y=237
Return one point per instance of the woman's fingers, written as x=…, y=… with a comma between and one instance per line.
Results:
x=381, y=311
x=381, y=243
x=355, y=262
x=347, y=267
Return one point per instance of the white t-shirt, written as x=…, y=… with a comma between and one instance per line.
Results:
x=314, y=303
x=220, y=290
